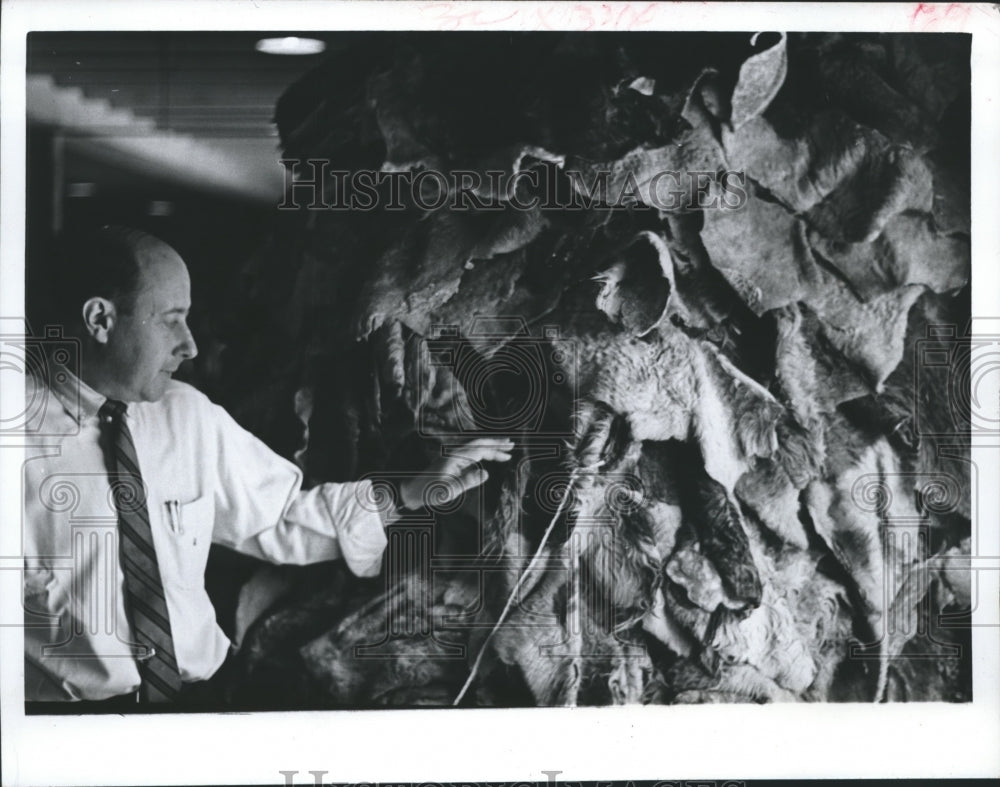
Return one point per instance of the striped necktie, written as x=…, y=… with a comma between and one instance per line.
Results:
x=145, y=603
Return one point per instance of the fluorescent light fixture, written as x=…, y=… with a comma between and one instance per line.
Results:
x=290, y=45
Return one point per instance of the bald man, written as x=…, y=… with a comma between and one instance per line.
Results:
x=132, y=475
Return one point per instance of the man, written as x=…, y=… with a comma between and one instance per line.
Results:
x=133, y=475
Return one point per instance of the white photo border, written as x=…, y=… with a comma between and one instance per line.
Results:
x=934, y=740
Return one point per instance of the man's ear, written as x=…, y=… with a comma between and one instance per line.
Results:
x=99, y=318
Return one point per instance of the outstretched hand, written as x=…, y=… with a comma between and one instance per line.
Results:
x=448, y=477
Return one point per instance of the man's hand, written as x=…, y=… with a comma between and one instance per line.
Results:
x=450, y=476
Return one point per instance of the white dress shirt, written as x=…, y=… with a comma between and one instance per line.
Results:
x=207, y=480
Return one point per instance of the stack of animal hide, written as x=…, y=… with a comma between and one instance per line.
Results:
x=741, y=468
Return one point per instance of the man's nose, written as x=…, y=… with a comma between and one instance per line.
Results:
x=187, y=348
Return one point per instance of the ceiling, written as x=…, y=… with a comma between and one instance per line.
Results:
x=168, y=103
x=207, y=84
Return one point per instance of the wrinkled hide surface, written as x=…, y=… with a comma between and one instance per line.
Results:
x=741, y=471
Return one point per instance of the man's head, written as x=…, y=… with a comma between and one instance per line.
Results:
x=132, y=293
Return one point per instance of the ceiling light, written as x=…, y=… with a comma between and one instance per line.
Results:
x=290, y=45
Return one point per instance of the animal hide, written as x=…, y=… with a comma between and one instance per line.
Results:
x=741, y=471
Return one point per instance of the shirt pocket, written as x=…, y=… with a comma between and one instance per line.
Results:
x=183, y=540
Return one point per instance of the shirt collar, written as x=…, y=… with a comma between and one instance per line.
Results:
x=78, y=399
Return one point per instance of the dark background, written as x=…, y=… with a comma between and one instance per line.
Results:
x=100, y=105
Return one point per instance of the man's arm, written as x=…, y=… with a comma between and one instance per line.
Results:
x=262, y=511
x=329, y=521
x=357, y=518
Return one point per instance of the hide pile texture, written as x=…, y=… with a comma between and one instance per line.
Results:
x=742, y=463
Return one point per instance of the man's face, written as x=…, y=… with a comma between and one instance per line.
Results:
x=150, y=337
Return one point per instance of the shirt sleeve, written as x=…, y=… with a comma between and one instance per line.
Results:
x=262, y=511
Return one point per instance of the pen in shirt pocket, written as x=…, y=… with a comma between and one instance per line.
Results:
x=174, y=517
